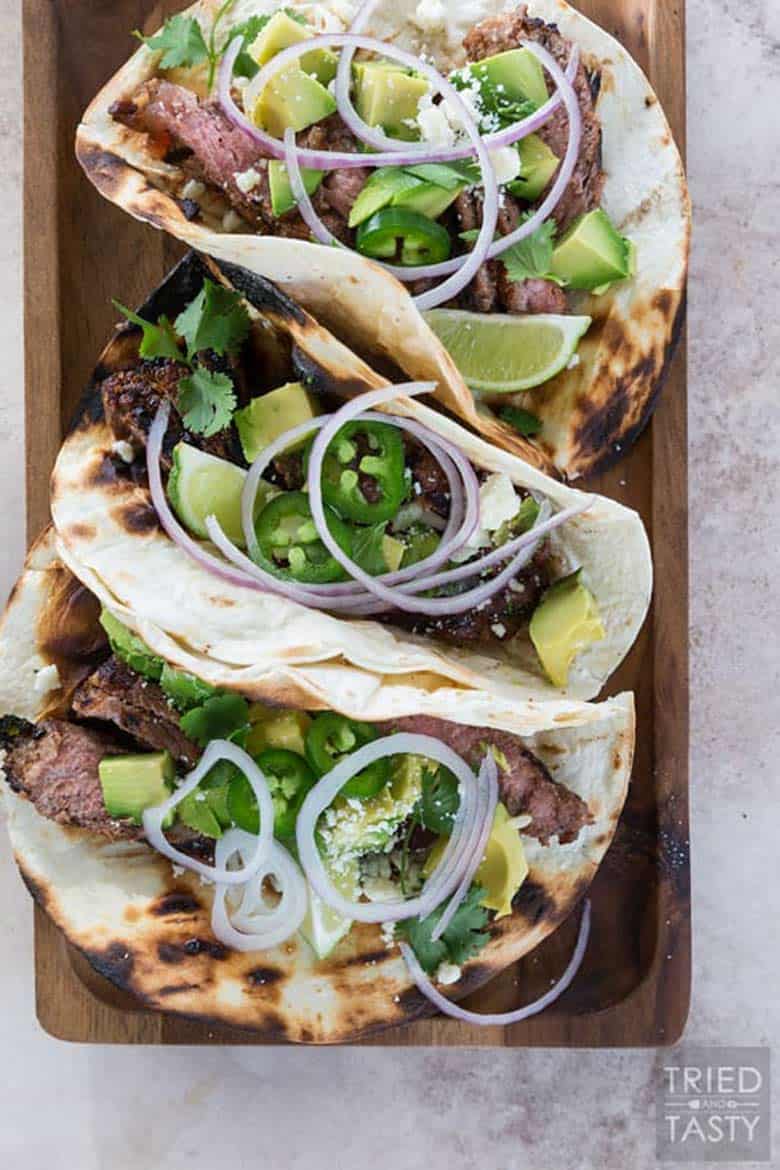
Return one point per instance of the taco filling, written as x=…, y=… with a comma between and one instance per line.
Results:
x=490, y=176
x=345, y=510
x=143, y=751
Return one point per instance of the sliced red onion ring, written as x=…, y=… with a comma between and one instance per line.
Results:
x=455, y=858
x=254, y=925
x=501, y=1019
x=377, y=139
x=489, y=776
x=218, y=749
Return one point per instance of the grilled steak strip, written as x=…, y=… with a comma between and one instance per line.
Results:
x=116, y=694
x=526, y=787
x=130, y=402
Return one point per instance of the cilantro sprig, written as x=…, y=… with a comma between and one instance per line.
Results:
x=183, y=45
x=464, y=937
x=216, y=321
x=531, y=258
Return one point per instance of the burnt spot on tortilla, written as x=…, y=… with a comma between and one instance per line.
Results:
x=264, y=976
x=68, y=630
x=106, y=170
x=80, y=531
x=595, y=81
x=176, y=989
x=115, y=963
x=139, y=519
x=261, y=293
x=650, y=100
x=367, y=958
x=222, y=602
x=174, y=953
x=131, y=914
x=178, y=902
x=38, y=892
x=112, y=472
x=533, y=902
x=322, y=380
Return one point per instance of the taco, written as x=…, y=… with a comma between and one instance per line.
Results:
x=564, y=335
x=424, y=551
x=108, y=747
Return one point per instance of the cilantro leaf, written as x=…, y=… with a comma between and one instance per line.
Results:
x=206, y=401
x=218, y=718
x=497, y=108
x=180, y=40
x=367, y=548
x=439, y=802
x=532, y=257
x=159, y=341
x=217, y=319
x=521, y=420
x=464, y=937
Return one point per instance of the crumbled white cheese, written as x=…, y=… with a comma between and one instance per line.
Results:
x=178, y=870
x=430, y=16
x=499, y=629
x=124, y=450
x=434, y=124
x=506, y=164
x=46, y=679
x=193, y=189
x=388, y=933
x=498, y=502
x=231, y=222
x=448, y=973
x=246, y=181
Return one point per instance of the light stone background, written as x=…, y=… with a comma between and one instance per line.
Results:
x=162, y=1109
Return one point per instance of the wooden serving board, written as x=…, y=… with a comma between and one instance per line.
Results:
x=633, y=989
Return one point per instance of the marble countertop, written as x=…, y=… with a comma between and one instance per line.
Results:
x=502, y=1110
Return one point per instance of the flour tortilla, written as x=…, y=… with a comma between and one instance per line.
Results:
x=147, y=930
x=107, y=528
x=591, y=413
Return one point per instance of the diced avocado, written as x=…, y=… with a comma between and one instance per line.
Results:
x=281, y=32
x=428, y=199
x=380, y=191
x=293, y=99
x=518, y=72
x=282, y=198
x=130, y=648
x=565, y=622
x=393, y=551
x=272, y=728
x=538, y=164
x=202, y=485
x=183, y=689
x=133, y=783
x=270, y=415
x=389, y=97
x=349, y=828
x=592, y=253
x=503, y=869
x=323, y=928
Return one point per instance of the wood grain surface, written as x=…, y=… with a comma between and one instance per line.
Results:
x=633, y=989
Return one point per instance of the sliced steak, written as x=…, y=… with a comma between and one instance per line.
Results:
x=431, y=487
x=498, y=620
x=526, y=786
x=116, y=694
x=55, y=765
x=501, y=33
x=524, y=296
x=203, y=140
x=130, y=402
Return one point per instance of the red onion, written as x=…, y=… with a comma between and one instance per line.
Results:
x=255, y=926
x=218, y=749
x=501, y=1019
x=485, y=819
x=456, y=857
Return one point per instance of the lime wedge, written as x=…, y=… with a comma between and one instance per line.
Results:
x=202, y=485
x=323, y=928
x=505, y=354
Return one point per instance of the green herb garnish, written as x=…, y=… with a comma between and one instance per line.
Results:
x=522, y=421
x=464, y=937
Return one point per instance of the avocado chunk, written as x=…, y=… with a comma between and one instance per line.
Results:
x=565, y=622
x=538, y=164
x=272, y=728
x=130, y=648
x=133, y=783
x=393, y=551
x=592, y=254
x=350, y=829
x=380, y=191
x=428, y=199
x=516, y=75
x=503, y=869
x=281, y=32
x=185, y=690
x=282, y=198
x=293, y=100
x=389, y=97
x=270, y=415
